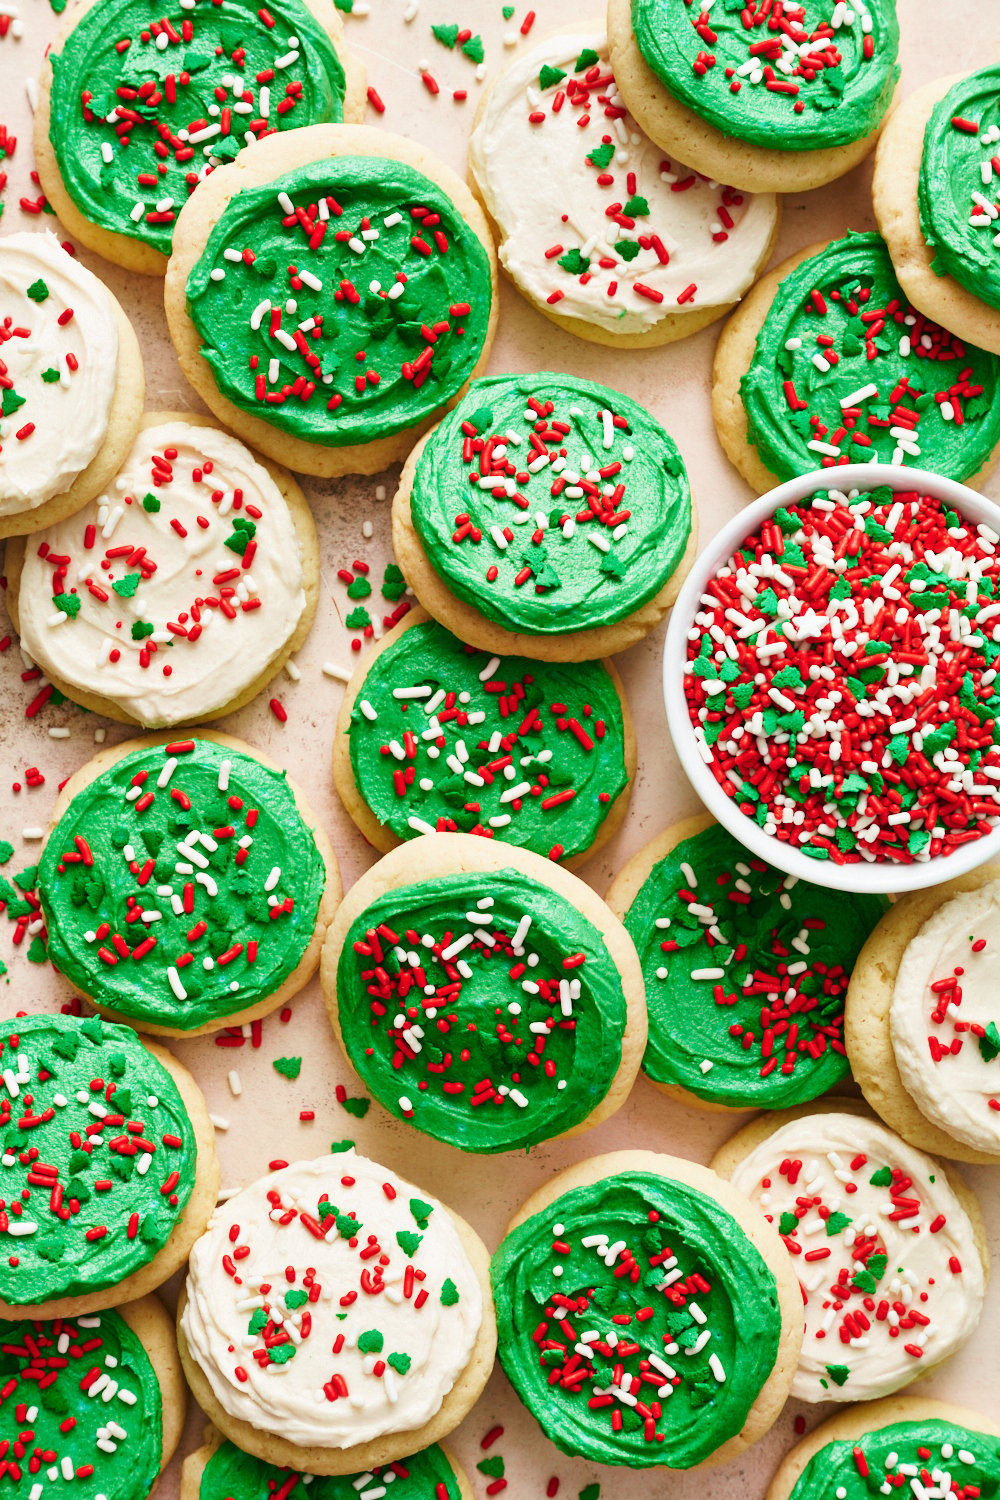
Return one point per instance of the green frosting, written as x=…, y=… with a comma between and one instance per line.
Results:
x=771, y=1038
x=553, y=730
x=83, y=1207
x=371, y=359
x=579, y=539
x=951, y=194
x=931, y=404
x=691, y=1293
x=904, y=1451
x=835, y=90
x=472, y=964
x=142, y=104
x=231, y=1474
x=93, y=1373
x=213, y=841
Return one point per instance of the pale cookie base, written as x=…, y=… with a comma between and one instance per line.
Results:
x=255, y=167
x=124, y=420
x=858, y=1421
x=774, y=1392
x=459, y=1401
x=728, y=1157
x=733, y=356
x=623, y=891
x=894, y=193
x=475, y=629
x=329, y=901
x=438, y=854
x=134, y=254
x=196, y=1463
x=381, y=837
x=866, y=1021
x=675, y=127
x=153, y=1327
x=305, y=530
x=191, y=1225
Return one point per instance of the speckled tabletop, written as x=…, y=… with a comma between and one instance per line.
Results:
x=263, y=1122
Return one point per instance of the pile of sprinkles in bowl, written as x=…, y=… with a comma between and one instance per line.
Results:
x=841, y=677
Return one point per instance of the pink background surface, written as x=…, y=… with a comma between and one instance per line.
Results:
x=674, y=383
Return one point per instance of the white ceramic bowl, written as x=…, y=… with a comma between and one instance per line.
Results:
x=864, y=876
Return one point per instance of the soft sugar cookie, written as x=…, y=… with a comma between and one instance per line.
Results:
x=109, y=1161
x=438, y=737
x=219, y=1470
x=777, y=110
x=218, y=590
x=888, y=1245
x=475, y=930
x=158, y=920
x=714, y=1315
x=350, y=1357
x=745, y=970
x=134, y=112
x=547, y=516
x=330, y=293
x=71, y=383
x=827, y=363
x=921, y=1018
x=603, y=235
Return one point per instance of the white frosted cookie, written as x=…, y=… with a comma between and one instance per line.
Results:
x=71, y=382
x=888, y=1246
x=598, y=228
x=177, y=593
x=336, y=1317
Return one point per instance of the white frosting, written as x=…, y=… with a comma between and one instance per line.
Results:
x=289, y=1398
x=543, y=192
x=70, y=415
x=234, y=645
x=952, y=1088
x=837, y=1155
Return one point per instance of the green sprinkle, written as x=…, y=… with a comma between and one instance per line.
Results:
x=371, y=1341
x=393, y=582
x=473, y=49
x=838, y=1373
x=38, y=291
x=601, y=155
x=150, y=502
x=573, y=262
x=507, y=12
x=400, y=1362
x=6, y=850
x=836, y=1222
x=68, y=603
x=636, y=207
x=408, y=1242
x=50, y=376
x=549, y=77
x=358, y=618
x=242, y=535
x=627, y=249
x=126, y=587
x=421, y=1211
x=446, y=35
x=258, y=1320
x=492, y=1467
x=590, y=1492
x=989, y=1043
x=288, y=1067
x=881, y=1177
x=357, y=1107
x=280, y=1354
x=338, y=1146
x=480, y=419
x=449, y=1293
x=788, y=1223
x=359, y=588
x=36, y=951
x=588, y=57
x=10, y=401
x=345, y=5
x=26, y=879
x=142, y=628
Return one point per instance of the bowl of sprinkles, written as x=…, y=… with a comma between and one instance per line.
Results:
x=831, y=682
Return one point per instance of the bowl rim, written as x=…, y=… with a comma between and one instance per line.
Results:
x=862, y=877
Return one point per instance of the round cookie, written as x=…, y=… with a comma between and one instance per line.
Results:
x=612, y=550
x=797, y=734
x=901, y=390
x=86, y=1218
x=382, y=1352
x=71, y=383
x=478, y=931
x=219, y=1470
x=893, y=1440
x=163, y=103
x=763, y=121
x=605, y=237
x=745, y=970
x=436, y=737
x=888, y=1245
x=188, y=515
x=910, y=1005
x=633, y=1278
x=243, y=908
x=405, y=339
x=56, y=1371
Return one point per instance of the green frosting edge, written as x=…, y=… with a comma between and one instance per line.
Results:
x=231, y=1474
x=746, y=1331
x=949, y=174
x=600, y=1011
x=657, y=494
x=834, y=1468
x=429, y=654
x=833, y=116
